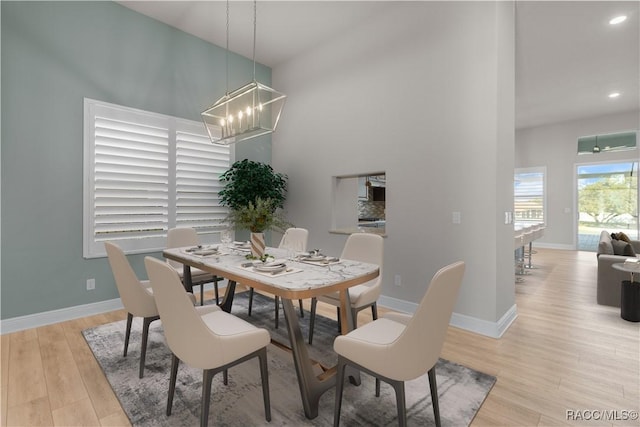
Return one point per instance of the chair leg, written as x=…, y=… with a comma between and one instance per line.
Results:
x=215, y=289
x=277, y=300
x=377, y=387
x=202, y=294
x=250, y=300
x=207, y=376
x=264, y=374
x=433, y=386
x=400, y=402
x=339, y=387
x=339, y=319
x=312, y=320
x=175, y=362
x=301, y=309
x=374, y=310
x=225, y=377
x=145, y=338
x=127, y=333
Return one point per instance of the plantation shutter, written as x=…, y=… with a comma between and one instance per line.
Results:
x=199, y=165
x=145, y=173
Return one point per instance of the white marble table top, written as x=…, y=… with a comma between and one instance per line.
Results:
x=304, y=277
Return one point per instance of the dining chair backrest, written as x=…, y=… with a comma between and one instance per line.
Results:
x=135, y=298
x=182, y=324
x=295, y=239
x=365, y=247
x=179, y=237
x=419, y=346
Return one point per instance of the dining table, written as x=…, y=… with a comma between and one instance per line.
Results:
x=299, y=279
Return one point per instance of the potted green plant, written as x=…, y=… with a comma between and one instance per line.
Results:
x=254, y=192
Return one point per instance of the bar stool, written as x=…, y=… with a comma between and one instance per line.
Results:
x=519, y=256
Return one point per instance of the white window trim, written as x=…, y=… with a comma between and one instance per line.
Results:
x=93, y=248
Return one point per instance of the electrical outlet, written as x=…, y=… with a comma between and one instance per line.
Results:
x=91, y=284
x=398, y=280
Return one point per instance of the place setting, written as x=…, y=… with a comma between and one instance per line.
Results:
x=203, y=250
x=270, y=267
x=315, y=257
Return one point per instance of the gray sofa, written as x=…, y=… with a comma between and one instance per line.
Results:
x=611, y=251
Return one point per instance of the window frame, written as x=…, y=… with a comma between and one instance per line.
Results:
x=93, y=247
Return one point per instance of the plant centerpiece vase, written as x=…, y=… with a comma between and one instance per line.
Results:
x=254, y=192
x=257, y=217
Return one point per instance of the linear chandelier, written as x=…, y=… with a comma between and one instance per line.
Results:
x=247, y=112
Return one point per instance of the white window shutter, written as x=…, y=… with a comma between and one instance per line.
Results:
x=145, y=173
x=131, y=185
x=199, y=165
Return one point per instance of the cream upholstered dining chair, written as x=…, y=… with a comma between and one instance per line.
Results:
x=187, y=236
x=294, y=239
x=362, y=247
x=400, y=347
x=137, y=297
x=212, y=342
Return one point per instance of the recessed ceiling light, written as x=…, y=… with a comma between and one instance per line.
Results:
x=618, y=20
x=614, y=94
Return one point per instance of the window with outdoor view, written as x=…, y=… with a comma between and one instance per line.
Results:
x=607, y=200
x=529, y=195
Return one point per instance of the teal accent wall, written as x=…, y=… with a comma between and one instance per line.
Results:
x=54, y=54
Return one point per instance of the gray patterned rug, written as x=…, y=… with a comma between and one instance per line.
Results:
x=461, y=390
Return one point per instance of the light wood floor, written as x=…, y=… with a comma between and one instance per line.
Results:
x=563, y=353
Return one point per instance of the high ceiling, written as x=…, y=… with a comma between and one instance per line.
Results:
x=568, y=56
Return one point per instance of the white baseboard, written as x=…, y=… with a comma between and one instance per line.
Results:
x=36, y=320
x=554, y=246
x=472, y=324
x=485, y=327
x=21, y=323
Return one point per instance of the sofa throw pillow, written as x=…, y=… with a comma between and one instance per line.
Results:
x=623, y=237
x=620, y=247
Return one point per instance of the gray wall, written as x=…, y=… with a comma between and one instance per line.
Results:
x=424, y=93
x=53, y=55
x=555, y=146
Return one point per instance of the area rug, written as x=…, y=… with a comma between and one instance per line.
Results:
x=461, y=390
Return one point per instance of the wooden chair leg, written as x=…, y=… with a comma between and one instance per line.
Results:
x=277, y=301
x=374, y=310
x=250, y=300
x=312, y=319
x=127, y=333
x=175, y=362
x=215, y=289
x=400, y=402
x=433, y=386
x=201, y=293
x=207, y=377
x=301, y=309
x=339, y=387
x=143, y=348
x=264, y=375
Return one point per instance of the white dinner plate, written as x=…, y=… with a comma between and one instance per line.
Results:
x=314, y=258
x=270, y=267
